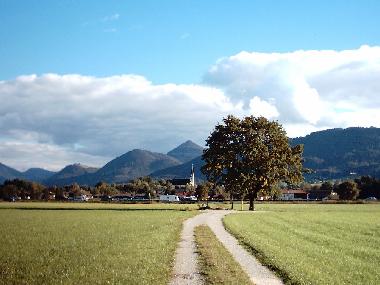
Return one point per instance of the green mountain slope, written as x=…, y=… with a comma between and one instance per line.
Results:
x=78, y=173
x=134, y=164
x=342, y=153
x=37, y=174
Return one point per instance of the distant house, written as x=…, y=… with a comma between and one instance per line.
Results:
x=294, y=194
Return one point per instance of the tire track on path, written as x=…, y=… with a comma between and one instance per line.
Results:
x=185, y=270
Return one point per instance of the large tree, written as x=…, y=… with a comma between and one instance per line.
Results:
x=251, y=155
x=347, y=190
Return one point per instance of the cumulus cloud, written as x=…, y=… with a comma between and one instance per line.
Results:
x=26, y=154
x=52, y=120
x=97, y=118
x=307, y=90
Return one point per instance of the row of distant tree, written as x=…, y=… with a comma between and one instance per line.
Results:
x=360, y=188
x=143, y=186
x=26, y=190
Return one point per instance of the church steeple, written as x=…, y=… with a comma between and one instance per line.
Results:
x=192, y=176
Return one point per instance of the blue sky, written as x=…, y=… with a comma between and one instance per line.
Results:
x=85, y=81
x=170, y=41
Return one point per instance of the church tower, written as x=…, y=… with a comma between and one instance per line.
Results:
x=192, y=176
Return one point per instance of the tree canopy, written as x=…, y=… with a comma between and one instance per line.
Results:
x=251, y=155
x=347, y=190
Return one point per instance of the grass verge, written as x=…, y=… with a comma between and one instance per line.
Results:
x=88, y=247
x=216, y=263
x=314, y=244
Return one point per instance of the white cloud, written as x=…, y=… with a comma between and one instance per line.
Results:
x=24, y=155
x=313, y=89
x=99, y=118
x=52, y=120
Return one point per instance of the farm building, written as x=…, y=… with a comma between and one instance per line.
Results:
x=294, y=194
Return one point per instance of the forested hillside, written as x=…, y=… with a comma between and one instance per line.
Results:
x=341, y=153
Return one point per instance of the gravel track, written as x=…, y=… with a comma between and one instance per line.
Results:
x=185, y=268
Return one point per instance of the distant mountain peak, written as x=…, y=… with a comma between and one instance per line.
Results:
x=133, y=164
x=37, y=174
x=190, y=143
x=186, y=151
x=80, y=165
x=7, y=172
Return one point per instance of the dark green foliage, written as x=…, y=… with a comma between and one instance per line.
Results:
x=327, y=186
x=58, y=192
x=149, y=186
x=103, y=188
x=251, y=155
x=203, y=190
x=347, y=190
x=369, y=187
x=21, y=188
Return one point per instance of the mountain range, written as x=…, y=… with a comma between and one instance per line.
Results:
x=331, y=154
x=32, y=174
x=133, y=164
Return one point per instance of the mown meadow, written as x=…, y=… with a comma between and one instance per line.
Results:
x=314, y=244
x=68, y=243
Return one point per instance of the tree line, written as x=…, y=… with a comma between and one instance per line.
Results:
x=359, y=188
x=145, y=187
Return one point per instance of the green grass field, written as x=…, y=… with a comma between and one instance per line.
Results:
x=314, y=244
x=78, y=243
x=216, y=264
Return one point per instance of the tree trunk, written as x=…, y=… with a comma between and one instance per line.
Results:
x=232, y=201
x=251, y=201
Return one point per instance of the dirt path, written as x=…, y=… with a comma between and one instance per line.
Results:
x=185, y=267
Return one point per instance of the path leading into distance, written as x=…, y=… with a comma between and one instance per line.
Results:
x=185, y=268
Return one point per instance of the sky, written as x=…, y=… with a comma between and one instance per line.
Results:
x=86, y=81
